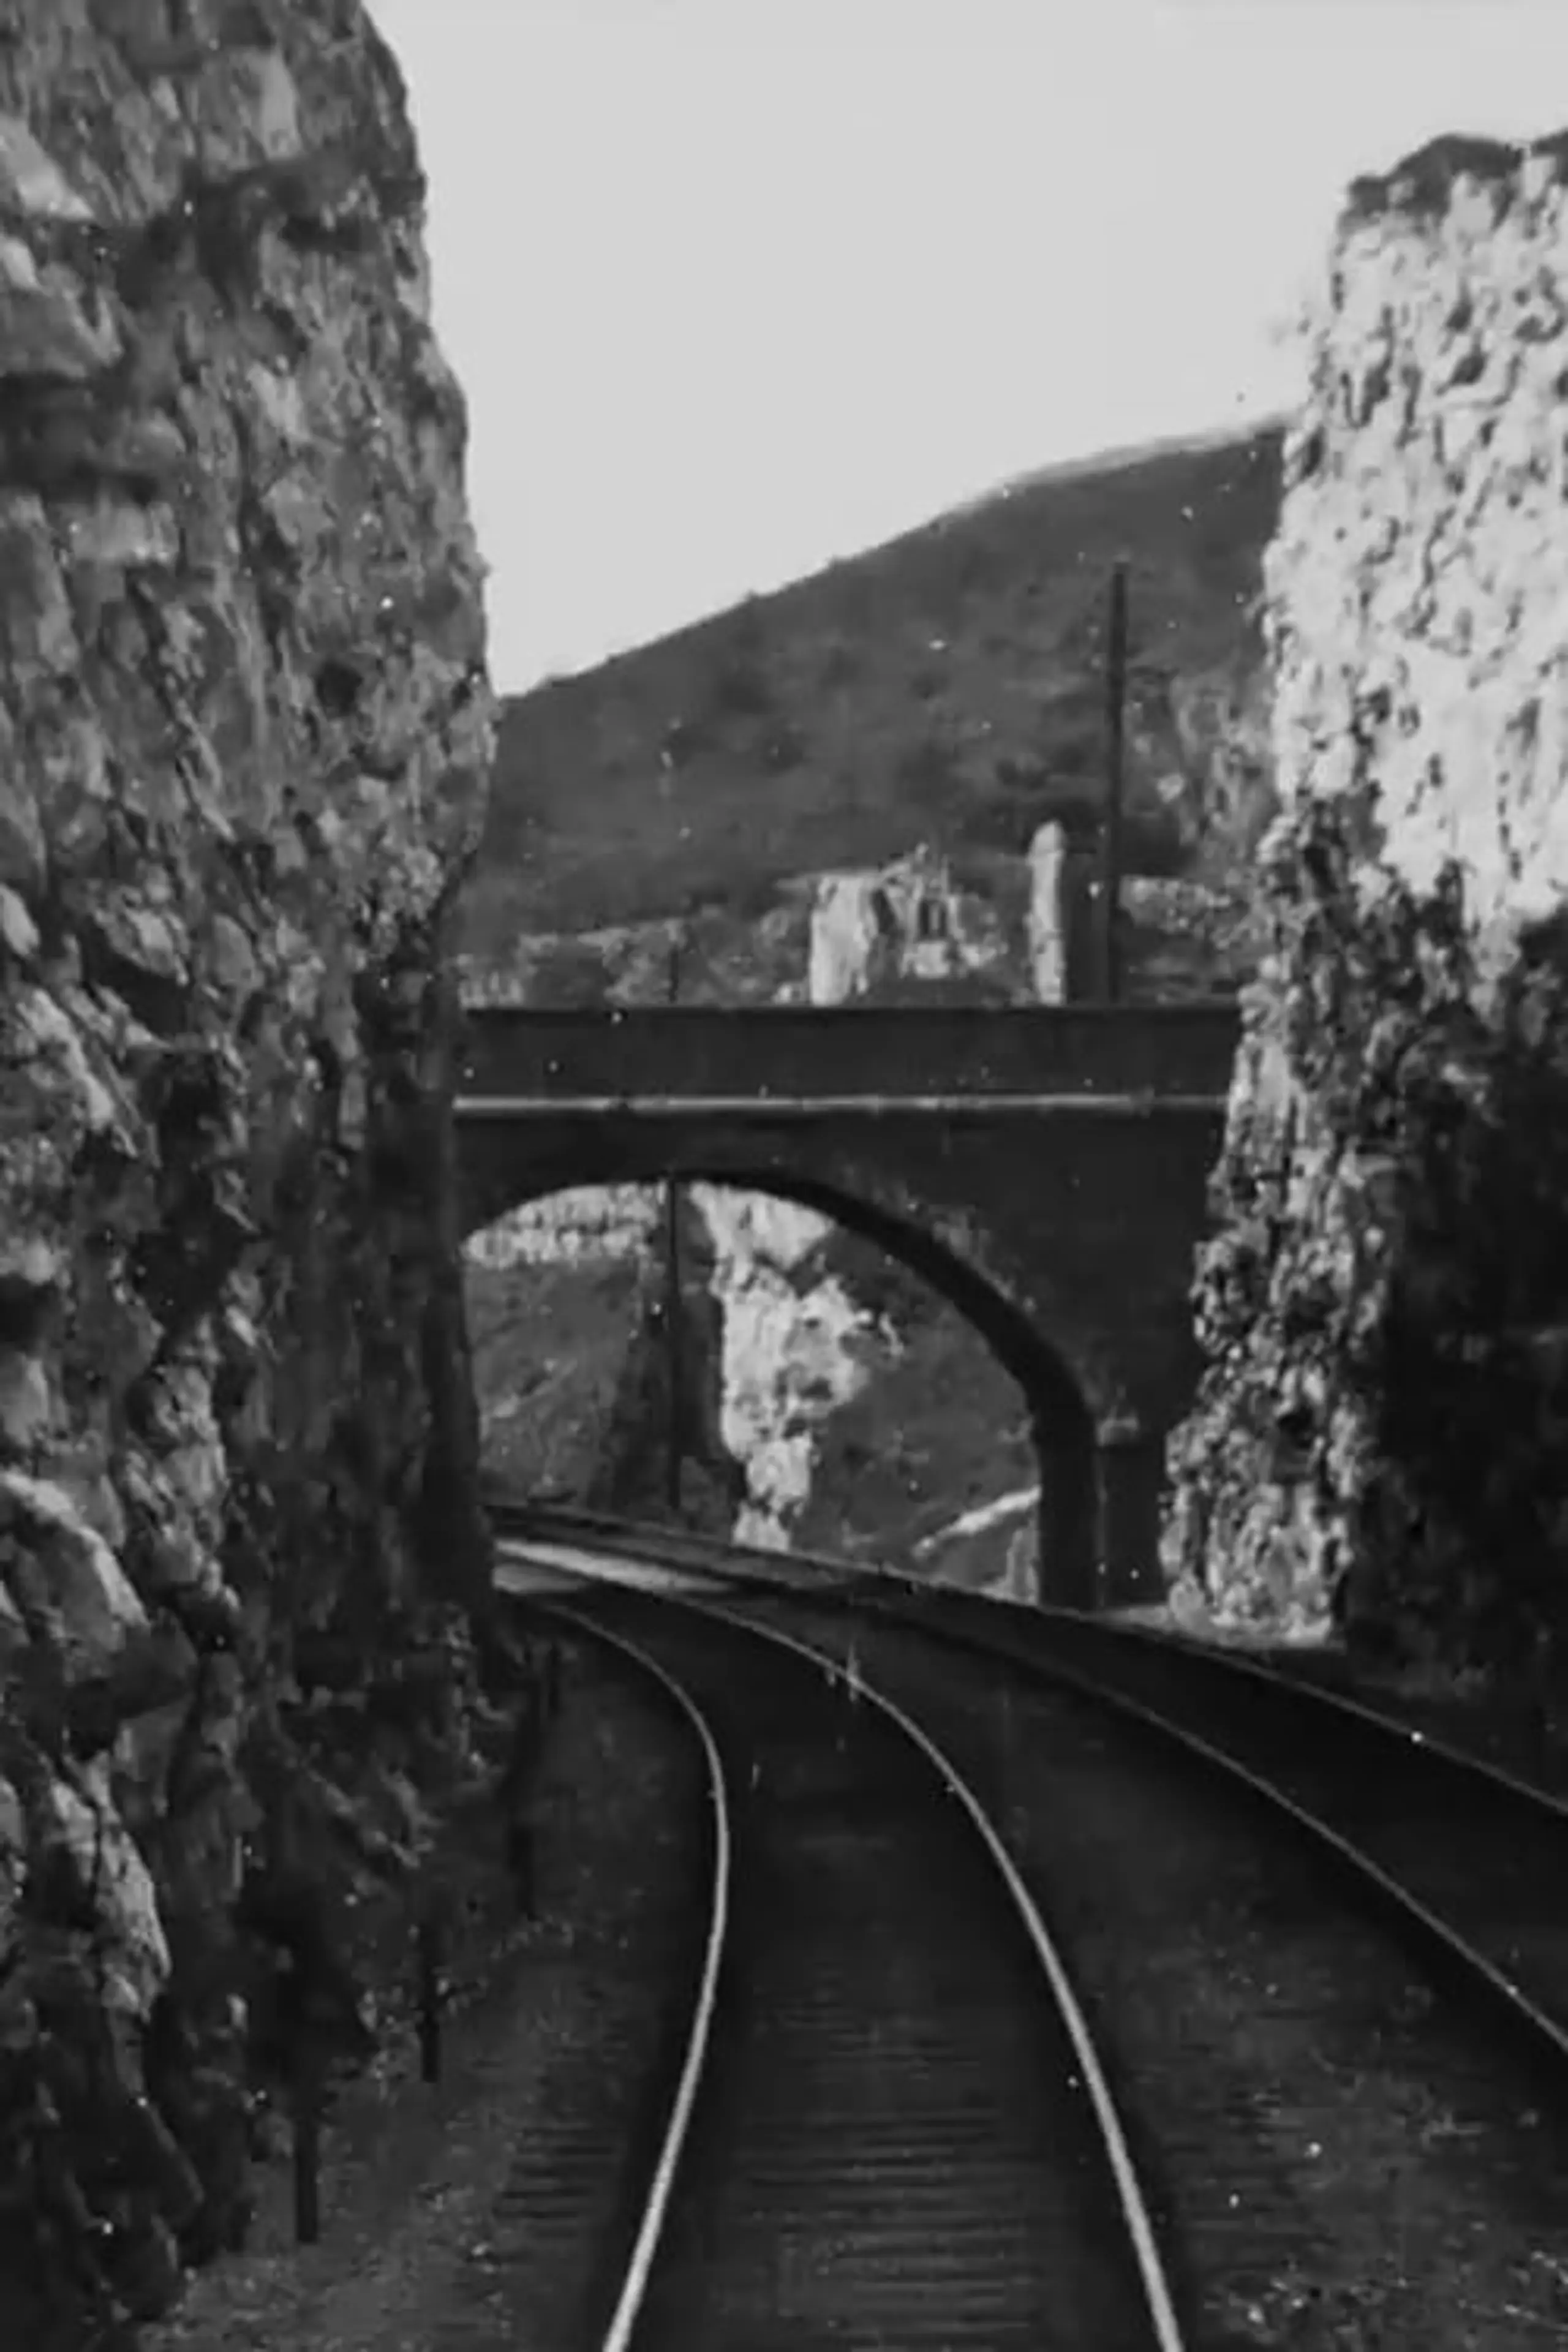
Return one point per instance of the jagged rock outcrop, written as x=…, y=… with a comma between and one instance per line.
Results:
x=770, y=1343
x=243, y=725
x=1383, y=1305
x=907, y=921
x=794, y=1345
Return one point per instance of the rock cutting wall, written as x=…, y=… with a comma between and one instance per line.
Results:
x=1384, y=1303
x=243, y=725
x=794, y=1346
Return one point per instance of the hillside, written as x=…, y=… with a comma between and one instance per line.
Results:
x=947, y=687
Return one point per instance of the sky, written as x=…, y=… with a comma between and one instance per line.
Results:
x=738, y=286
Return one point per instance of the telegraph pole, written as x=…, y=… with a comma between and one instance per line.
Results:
x=672, y=1296
x=1110, y=833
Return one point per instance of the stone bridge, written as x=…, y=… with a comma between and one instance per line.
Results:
x=1043, y=1167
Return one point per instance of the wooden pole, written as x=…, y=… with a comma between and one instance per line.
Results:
x=1110, y=833
x=431, y=1963
x=307, y=2132
x=672, y=1299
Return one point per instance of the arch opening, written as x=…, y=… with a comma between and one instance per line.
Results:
x=961, y=1395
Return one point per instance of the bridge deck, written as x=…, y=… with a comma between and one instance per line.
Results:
x=810, y=1056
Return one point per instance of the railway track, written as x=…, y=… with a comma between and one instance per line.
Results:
x=1473, y=1861
x=1290, y=2207
x=570, y=2203
x=891, y=2126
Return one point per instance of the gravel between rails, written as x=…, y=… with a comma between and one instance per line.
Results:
x=893, y=2145
x=1338, y=2159
x=472, y=2216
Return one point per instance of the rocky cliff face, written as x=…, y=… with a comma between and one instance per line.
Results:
x=1384, y=1306
x=913, y=923
x=244, y=721
x=794, y=1345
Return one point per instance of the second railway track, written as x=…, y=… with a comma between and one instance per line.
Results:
x=1484, y=1854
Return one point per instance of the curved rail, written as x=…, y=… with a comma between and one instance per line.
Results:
x=1029, y=1640
x=1268, y=2031
x=639, y=2263
x=870, y=1581
x=1134, y=2208
x=1428, y=1927
x=1228, y=1661
x=1158, y=2299
x=1343, y=1788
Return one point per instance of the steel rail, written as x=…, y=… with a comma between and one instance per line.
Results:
x=472, y=1109
x=639, y=2264
x=1409, y=1908
x=1167, y=2331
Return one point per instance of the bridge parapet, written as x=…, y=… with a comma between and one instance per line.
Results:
x=764, y=1054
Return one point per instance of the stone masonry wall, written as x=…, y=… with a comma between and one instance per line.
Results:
x=243, y=725
x=1383, y=1309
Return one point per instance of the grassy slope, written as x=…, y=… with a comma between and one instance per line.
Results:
x=946, y=686
x=824, y=726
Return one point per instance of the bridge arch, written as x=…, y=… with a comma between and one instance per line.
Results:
x=1070, y=1395
x=1047, y=1167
